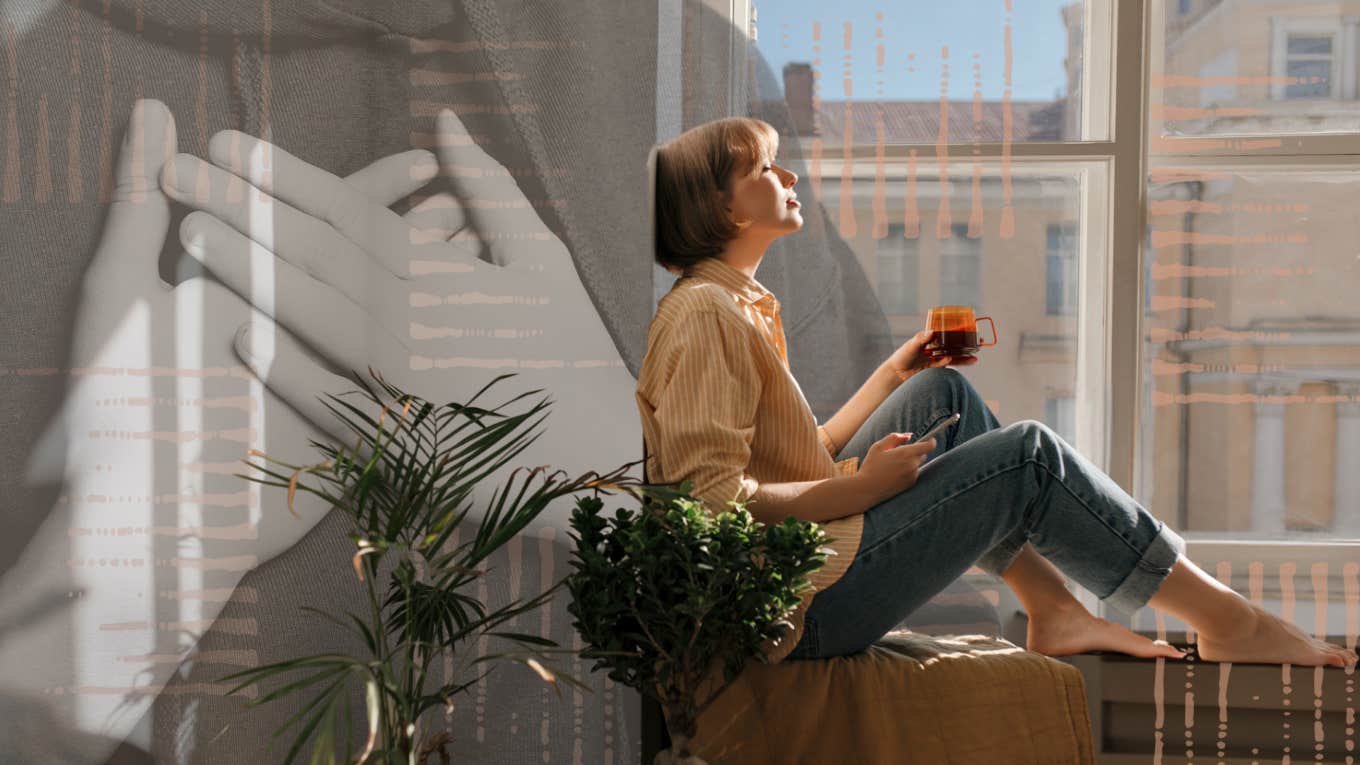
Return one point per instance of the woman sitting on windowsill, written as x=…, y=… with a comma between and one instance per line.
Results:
x=720, y=408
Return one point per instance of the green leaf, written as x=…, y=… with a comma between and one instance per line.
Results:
x=321, y=706
x=373, y=709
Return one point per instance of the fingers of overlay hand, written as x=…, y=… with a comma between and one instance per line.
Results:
x=139, y=214
x=493, y=203
x=436, y=219
x=294, y=236
x=356, y=207
x=330, y=322
x=276, y=357
x=395, y=177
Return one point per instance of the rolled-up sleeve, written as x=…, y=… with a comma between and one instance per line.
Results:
x=705, y=408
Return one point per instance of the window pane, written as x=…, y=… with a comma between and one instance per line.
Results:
x=1307, y=44
x=1060, y=413
x=960, y=268
x=1226, y=69
x=1253, y=352
x=898, y=271
x=1313, y=79
x=860, y=73
x=1004, y=272
x=1062, y=283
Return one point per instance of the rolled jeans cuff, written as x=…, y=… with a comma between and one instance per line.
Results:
x=1148, y=573
x=996, y=560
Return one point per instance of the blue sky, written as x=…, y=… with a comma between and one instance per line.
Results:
x=912, y=26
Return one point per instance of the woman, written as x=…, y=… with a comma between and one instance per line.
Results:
x=720, y=408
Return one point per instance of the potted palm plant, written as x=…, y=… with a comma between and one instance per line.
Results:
x=674, y=600
x=406, y=485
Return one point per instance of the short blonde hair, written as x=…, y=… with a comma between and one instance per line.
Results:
x=693, y=172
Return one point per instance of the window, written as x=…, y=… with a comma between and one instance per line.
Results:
x=1165, y=386
x=899, y=263
x=872, y=147
x=1308, y=60
x=1060, y=262
x=1313, y=58
x=960, y=268
x=1240, y=258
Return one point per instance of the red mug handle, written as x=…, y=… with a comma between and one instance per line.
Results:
x=988, y=319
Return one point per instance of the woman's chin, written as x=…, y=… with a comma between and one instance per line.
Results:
x=789, y=225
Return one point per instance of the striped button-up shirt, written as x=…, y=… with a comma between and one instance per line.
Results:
x=720, y=408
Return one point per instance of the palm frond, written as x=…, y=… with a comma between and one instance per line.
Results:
x=407, y=481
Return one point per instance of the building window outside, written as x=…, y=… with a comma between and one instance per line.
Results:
x=1184, y=7
x=898, y=261
x=960, y=268
x=1311, y=51
x=1060, y=414
x=1061, y=269
x=1308, y=58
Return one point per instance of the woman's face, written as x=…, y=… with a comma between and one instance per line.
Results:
x=765, y=197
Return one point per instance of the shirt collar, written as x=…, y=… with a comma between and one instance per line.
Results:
x=744, y=288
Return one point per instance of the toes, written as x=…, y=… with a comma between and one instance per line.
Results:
x=1166, y=649
x=1340, y=656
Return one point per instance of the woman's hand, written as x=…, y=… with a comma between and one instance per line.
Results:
x=911, y=357
x=890, y=467
x=155, y=420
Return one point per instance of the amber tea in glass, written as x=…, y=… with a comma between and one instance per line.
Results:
x=954, y=331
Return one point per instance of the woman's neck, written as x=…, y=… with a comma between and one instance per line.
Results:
x=744, y=254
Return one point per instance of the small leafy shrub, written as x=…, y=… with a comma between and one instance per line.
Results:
x=664, y=593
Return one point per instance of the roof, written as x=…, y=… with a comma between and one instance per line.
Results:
x=919, y=121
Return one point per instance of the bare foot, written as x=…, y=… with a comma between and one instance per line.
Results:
x=1075, y=630
x=1266, y=639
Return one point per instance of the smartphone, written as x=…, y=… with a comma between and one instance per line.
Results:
x=950, y=420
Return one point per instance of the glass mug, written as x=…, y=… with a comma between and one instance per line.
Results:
x=954, y=331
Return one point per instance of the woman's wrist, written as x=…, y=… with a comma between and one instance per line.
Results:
x=868, y=492
x=894, y=375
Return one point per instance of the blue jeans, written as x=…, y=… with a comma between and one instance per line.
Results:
x=983, y=492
